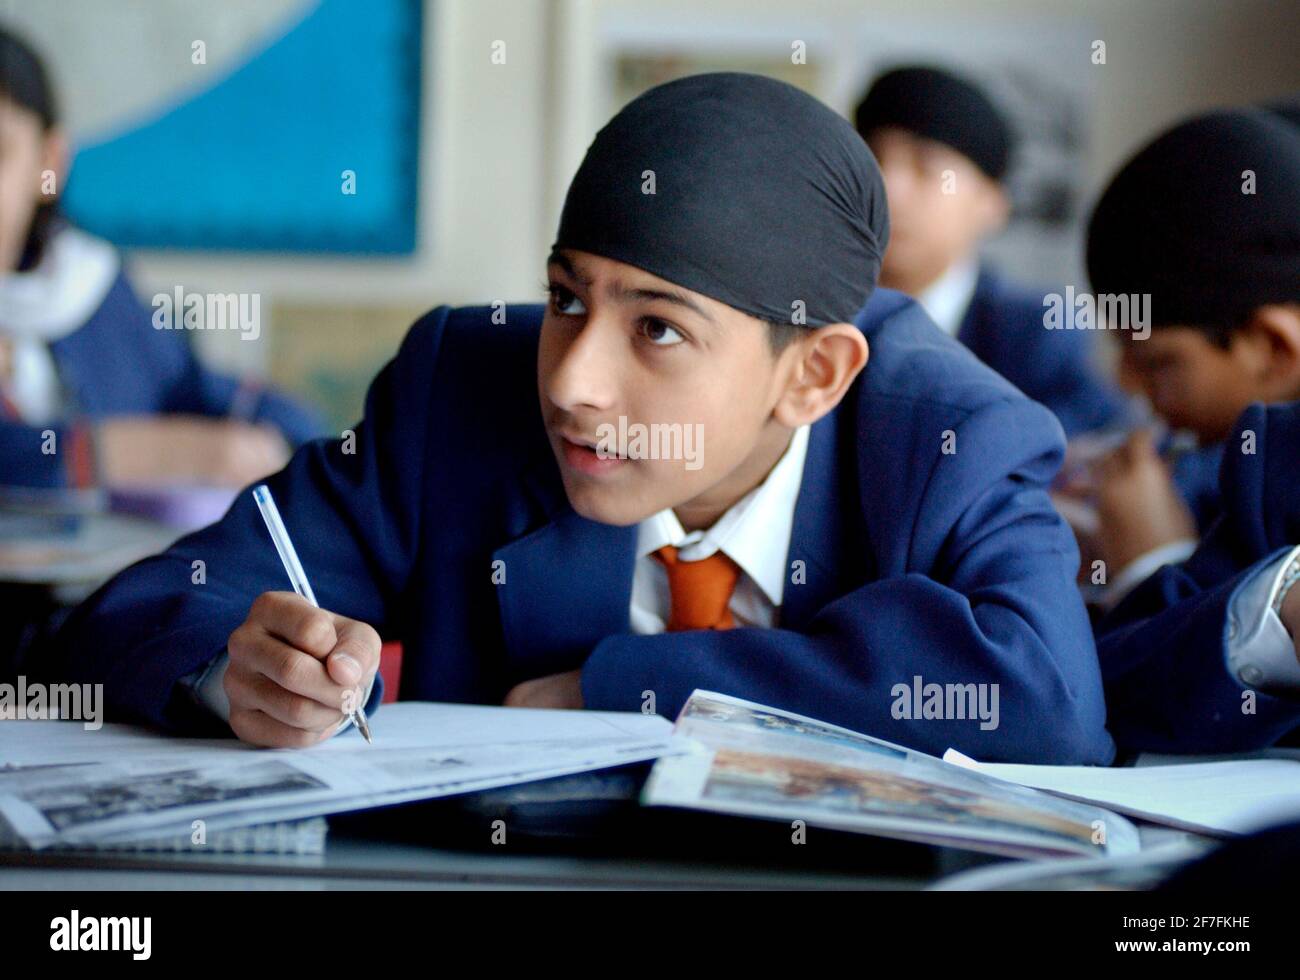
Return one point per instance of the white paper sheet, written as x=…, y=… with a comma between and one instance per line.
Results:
x=1220, y=797
x=62, y=784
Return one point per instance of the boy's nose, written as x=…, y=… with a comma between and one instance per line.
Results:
x=585, y=375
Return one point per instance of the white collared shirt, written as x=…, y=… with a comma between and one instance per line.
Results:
x=949, y=297
x=1261, y=653
x=754, y=533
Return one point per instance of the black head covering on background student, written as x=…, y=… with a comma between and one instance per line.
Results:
x=940, y=106
x=762, y=197
x=1177, y=222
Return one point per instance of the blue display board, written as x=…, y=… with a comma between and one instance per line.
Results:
x=257, y=161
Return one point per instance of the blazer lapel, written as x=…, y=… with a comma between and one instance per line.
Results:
x=568, y=584
x=973, y=329
x=823, y=523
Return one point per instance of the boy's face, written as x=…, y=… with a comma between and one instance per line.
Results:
x=940, y=206
x=22, y=150
x=1190, y=381
x=620, y=343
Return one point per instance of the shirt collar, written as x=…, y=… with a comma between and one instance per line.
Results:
x=948, y=298
x=754, y=532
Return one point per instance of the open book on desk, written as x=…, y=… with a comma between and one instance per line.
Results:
x=61, y=784
x=757, y=761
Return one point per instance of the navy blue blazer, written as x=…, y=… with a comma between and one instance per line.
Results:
x=953, y=567
x=1004, y=327
x=1196, y=478
x=118, y=364
x=1162, y=649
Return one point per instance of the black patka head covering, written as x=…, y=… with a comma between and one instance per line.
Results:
x=763, y=197
x=1175, y=222
x=940, y=106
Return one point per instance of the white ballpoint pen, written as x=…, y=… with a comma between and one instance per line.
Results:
x=297, y=576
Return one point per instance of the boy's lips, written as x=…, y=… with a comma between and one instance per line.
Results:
x=579, y=453
x=578, y=440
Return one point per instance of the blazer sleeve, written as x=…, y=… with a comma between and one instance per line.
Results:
x=352, y=508
x=202, y=391
x=1168, y=682
x=184, y=384
x=996, y=606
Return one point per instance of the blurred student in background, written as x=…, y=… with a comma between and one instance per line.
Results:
x=1202, y=655
x=79, y=356
x=944, y=149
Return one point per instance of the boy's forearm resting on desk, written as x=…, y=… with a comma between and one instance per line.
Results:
x=840, y=671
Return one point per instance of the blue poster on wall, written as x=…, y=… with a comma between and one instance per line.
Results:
x=311, y=145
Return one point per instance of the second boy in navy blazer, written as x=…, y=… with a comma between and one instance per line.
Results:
x=945, y=150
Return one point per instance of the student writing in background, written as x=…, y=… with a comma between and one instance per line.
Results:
x=1201, y=656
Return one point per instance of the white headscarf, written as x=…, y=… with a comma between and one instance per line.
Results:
x=46, y=303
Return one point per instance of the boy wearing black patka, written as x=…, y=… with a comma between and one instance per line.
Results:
x=1201, y=656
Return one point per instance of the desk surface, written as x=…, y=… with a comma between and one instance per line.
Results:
x=353, y=863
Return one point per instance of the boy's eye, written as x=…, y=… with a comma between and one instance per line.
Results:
x=564, y=302
x=659, y=333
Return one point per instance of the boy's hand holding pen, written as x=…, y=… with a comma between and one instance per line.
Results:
x=296, y=669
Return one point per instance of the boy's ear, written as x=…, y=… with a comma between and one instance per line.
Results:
x=821, y=367
x=1270, y=343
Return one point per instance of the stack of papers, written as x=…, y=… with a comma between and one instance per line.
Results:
x=63, y=785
